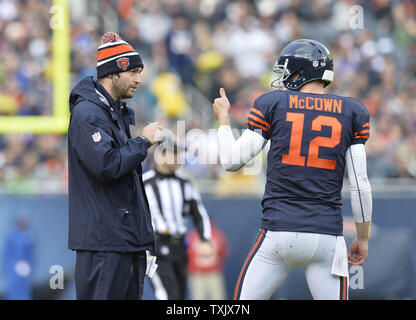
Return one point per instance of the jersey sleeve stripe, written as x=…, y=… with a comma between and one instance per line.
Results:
x=361, y=132
x=259, y=120
x=367, y=124
x=257, y=111
x=361, y=137
x=258, y=125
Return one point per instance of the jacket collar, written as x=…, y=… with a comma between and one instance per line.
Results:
x=107, y=99
x=116, y=108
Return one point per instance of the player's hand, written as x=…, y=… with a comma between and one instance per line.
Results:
x=358, y=252
x=205, y=248
x=153, y=132
x=221, y=105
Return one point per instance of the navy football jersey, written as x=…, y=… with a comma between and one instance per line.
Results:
x=309, y=134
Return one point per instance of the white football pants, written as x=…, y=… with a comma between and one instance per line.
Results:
x=275, y=253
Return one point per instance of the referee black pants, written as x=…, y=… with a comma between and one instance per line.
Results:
x=172, y=260
x=109, y=275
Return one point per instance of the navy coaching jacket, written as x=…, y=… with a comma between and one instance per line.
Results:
x=108, y=208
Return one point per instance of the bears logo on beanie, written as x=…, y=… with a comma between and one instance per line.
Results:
x=115, y=55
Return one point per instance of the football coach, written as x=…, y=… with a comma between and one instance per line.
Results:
x=109, y=221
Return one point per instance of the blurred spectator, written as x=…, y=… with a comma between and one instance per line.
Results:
x=246, y=42
x=180, y=48
x=18, y=260
x=206, y=272
x=169, y=93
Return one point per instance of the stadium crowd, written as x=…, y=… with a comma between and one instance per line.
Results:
x=208, y=44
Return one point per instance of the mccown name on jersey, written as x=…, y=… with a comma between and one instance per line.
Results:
x=315, y=103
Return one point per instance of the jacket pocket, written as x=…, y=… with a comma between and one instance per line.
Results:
x=125, y=215
x=129, y=228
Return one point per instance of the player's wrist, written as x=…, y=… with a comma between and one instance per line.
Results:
x=224, y=119
x=363, y=238
x=363, y=231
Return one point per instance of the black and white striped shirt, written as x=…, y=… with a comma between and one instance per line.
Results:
x=171, y=199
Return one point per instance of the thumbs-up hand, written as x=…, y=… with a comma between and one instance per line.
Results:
x=221, y=105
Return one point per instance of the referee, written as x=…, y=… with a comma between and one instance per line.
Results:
x=172, y=198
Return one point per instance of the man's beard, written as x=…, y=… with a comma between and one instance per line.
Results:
x=123, y=93
x=126, y=94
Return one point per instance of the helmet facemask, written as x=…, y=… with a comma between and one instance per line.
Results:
x=283, y=74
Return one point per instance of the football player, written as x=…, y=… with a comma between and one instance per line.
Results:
x=313, y=137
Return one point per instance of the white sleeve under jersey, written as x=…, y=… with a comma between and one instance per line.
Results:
x=236, y=153
x=361, y=197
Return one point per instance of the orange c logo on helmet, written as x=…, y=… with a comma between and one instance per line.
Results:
x=123, y=63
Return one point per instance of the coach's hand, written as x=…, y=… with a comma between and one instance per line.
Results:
x=153, y=132
x=221, y=105
x=358, y=252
